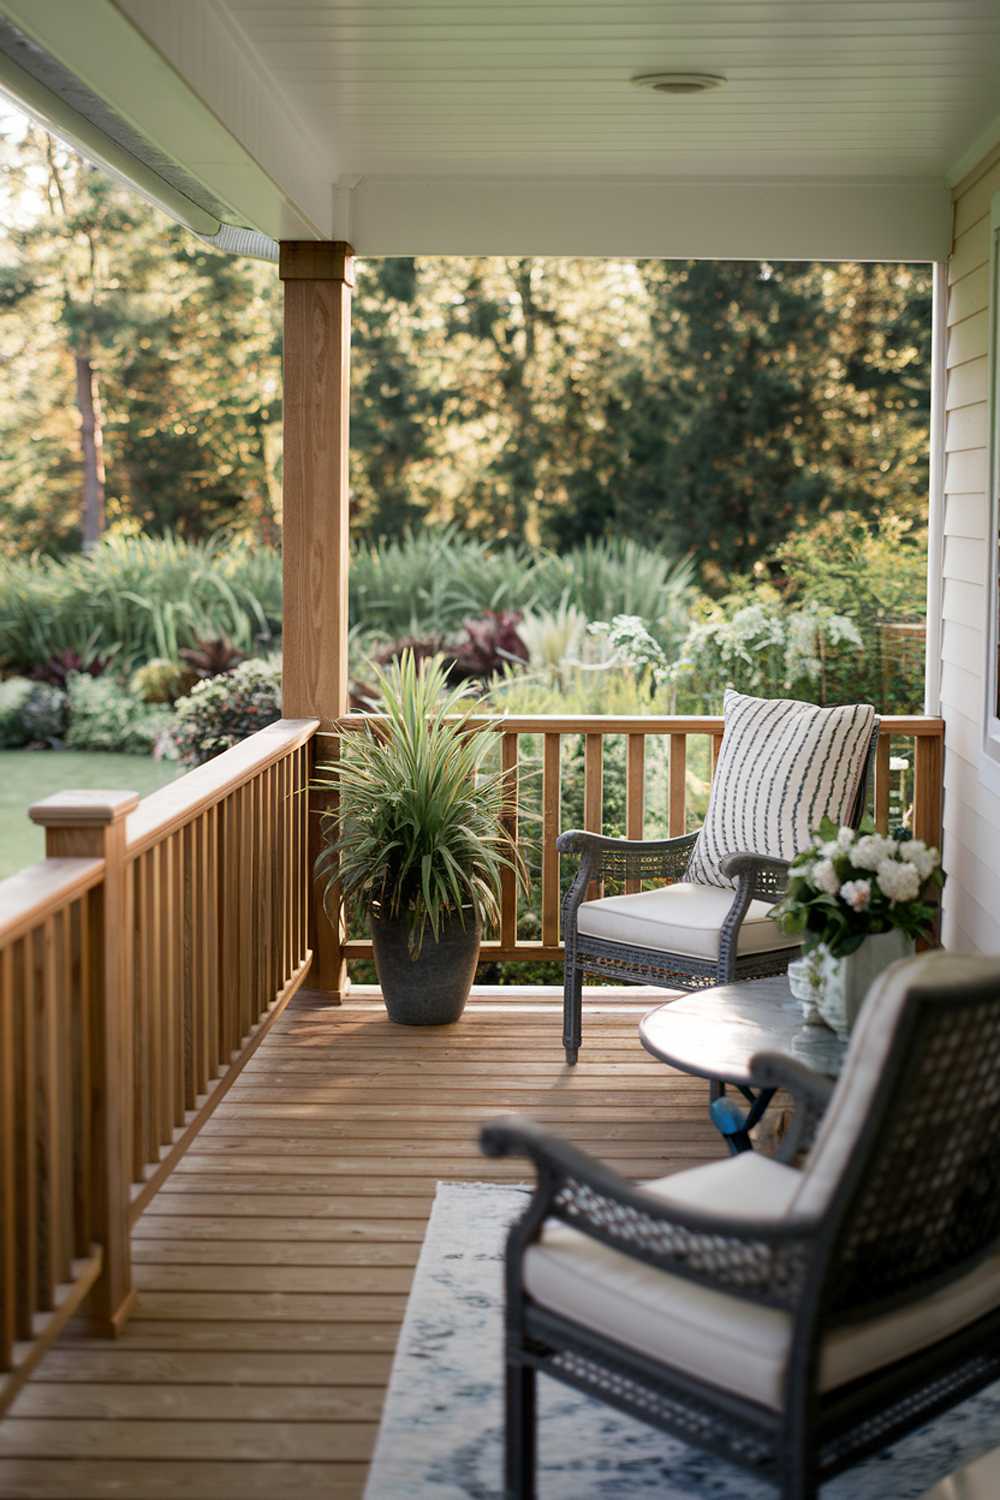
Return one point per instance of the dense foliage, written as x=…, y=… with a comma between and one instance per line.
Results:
x=705, y=407
x=835, y=614
x=221, y=711
x=132, y=599
x=102, y=715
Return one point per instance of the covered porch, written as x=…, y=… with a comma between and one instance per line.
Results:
x=217, y=1157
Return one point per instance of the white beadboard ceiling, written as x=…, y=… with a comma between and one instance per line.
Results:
x=815, y=87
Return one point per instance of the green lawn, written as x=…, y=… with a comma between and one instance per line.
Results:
x=27, y=775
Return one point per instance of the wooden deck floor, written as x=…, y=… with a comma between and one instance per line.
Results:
x=274, y=1265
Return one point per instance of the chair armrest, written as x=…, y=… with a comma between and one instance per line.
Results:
x=761, y=1259
x=579, y=841
x=620, y=859
x=810, y=1090
x=767, y=877
x=758, y=877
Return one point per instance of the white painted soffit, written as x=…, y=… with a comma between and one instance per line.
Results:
x=91, y=76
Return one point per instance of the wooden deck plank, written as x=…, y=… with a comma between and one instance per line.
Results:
x=274, y=1265
x=88, y=1479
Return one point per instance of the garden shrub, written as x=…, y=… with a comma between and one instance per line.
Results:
x=31, y=713
x=221, y=711
x=161, y=681
x=43, y=714
x=14, y=694
x=104, y=716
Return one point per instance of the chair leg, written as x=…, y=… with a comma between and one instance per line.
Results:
x=800, y=1481
x=572, y=1011
x=520, y=1433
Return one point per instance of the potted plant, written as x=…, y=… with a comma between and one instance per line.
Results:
x=859, y=900
x=416, y=840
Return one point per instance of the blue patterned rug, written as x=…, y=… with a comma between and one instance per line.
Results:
x=441, y=1431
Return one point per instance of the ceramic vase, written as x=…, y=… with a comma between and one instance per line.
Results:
x=833, y=990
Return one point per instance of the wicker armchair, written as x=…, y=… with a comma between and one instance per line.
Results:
x=709, y=935
x=792, y=1322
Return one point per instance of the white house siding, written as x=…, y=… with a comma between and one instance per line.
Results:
x=972, y=809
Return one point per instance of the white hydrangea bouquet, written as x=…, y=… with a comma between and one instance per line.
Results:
x=849, y=886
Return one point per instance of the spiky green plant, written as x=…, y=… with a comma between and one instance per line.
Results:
x=419, y=832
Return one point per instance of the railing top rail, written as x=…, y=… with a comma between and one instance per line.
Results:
x=36, y=892
x=905, y=724
x=179, y=801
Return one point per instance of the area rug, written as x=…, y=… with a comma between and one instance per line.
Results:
x=441, y=1431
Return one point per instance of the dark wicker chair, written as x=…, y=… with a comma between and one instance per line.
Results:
x=734, y=948
x=793, y=1322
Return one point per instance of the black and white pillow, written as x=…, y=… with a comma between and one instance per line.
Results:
x=783, y=766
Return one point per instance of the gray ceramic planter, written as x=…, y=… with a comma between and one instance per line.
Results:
x=430, y=990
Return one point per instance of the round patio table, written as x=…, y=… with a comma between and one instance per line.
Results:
x=714, y=1034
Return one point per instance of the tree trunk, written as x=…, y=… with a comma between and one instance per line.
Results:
x=92, y=445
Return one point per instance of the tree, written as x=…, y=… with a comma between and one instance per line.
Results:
x=168, y=350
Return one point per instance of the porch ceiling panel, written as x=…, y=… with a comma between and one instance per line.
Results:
x=814, y=87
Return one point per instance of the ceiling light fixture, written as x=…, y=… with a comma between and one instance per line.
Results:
x=679, y=83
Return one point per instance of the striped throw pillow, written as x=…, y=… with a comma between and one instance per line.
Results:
x=783, y=766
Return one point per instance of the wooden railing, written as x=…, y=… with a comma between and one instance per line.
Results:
x=141, y=963
x=668, y=765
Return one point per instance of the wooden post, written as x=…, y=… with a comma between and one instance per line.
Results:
x=318, y=277
x=92, y=824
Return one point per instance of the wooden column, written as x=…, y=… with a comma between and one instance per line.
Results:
x=318, y=277
x=93, y=824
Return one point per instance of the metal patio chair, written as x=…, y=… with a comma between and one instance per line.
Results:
x=685, y=935
x=793, y=1322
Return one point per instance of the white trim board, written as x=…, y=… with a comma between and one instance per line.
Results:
x=990, y=724
x=776, y=219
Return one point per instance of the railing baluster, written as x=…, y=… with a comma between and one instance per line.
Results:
x=635, y=795
x=51, y=1270
x=270, y=858
x=927, y=791
x=162, y=966
x=189, y=965
x=63, y=972
x=883, y=780
x=229, y=972
x=8, y=1166
x=551, y=794
x=508, y=881
x=303, y=882
x=83, y=1000
x=716, y=752
x=180, y=994
x=677, y=809
x=65, y=990
x=140, y=1036
x=25, y=1138
x=593, y=794
x=287, y=892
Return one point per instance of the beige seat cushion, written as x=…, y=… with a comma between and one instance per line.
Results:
x=710, y=1335
x=681, y=918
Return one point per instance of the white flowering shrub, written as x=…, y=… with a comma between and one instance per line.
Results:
x=848, y=885
x=768, y=647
